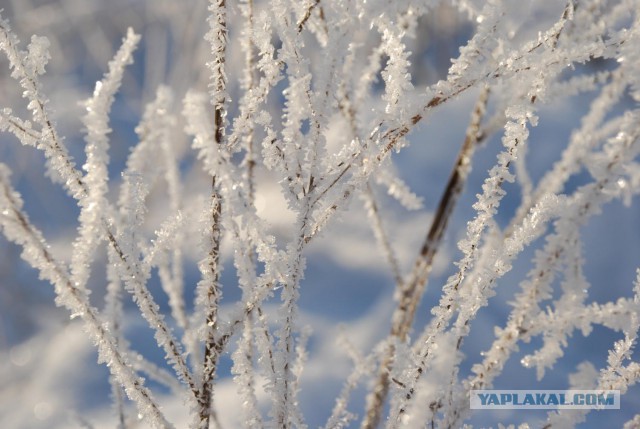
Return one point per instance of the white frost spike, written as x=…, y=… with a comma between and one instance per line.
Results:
x=38, y=54
x=398, y=189
x=217, y=37
x=19, y=128
x=157, y=255
x=396, y=76
x=150, y=155
x=25, y=69
x=94, y=206
x=198, y=125
x=244, y=375
x=133, y=210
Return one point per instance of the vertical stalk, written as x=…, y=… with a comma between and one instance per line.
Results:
x=211, y=351
x=409, y=293
x=217, y=36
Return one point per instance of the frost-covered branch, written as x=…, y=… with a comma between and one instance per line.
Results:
x=16, y=227
x=302, y=108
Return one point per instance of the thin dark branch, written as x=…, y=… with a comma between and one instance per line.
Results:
x=411, y=291
x=307, y=15
x=212, y=351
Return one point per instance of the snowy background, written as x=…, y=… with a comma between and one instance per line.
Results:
x=49, y=377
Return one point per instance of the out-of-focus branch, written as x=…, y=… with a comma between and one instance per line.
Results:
x=410, y=292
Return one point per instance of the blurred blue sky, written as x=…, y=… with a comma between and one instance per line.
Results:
x=337, y=289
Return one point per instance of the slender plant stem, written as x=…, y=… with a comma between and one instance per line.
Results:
x=410, y=292
x=211, y=350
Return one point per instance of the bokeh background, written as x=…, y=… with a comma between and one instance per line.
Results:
x=49, y=377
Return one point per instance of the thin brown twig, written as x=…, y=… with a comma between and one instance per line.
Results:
x=212, y=351
x=307, y=15
x=410, y=292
